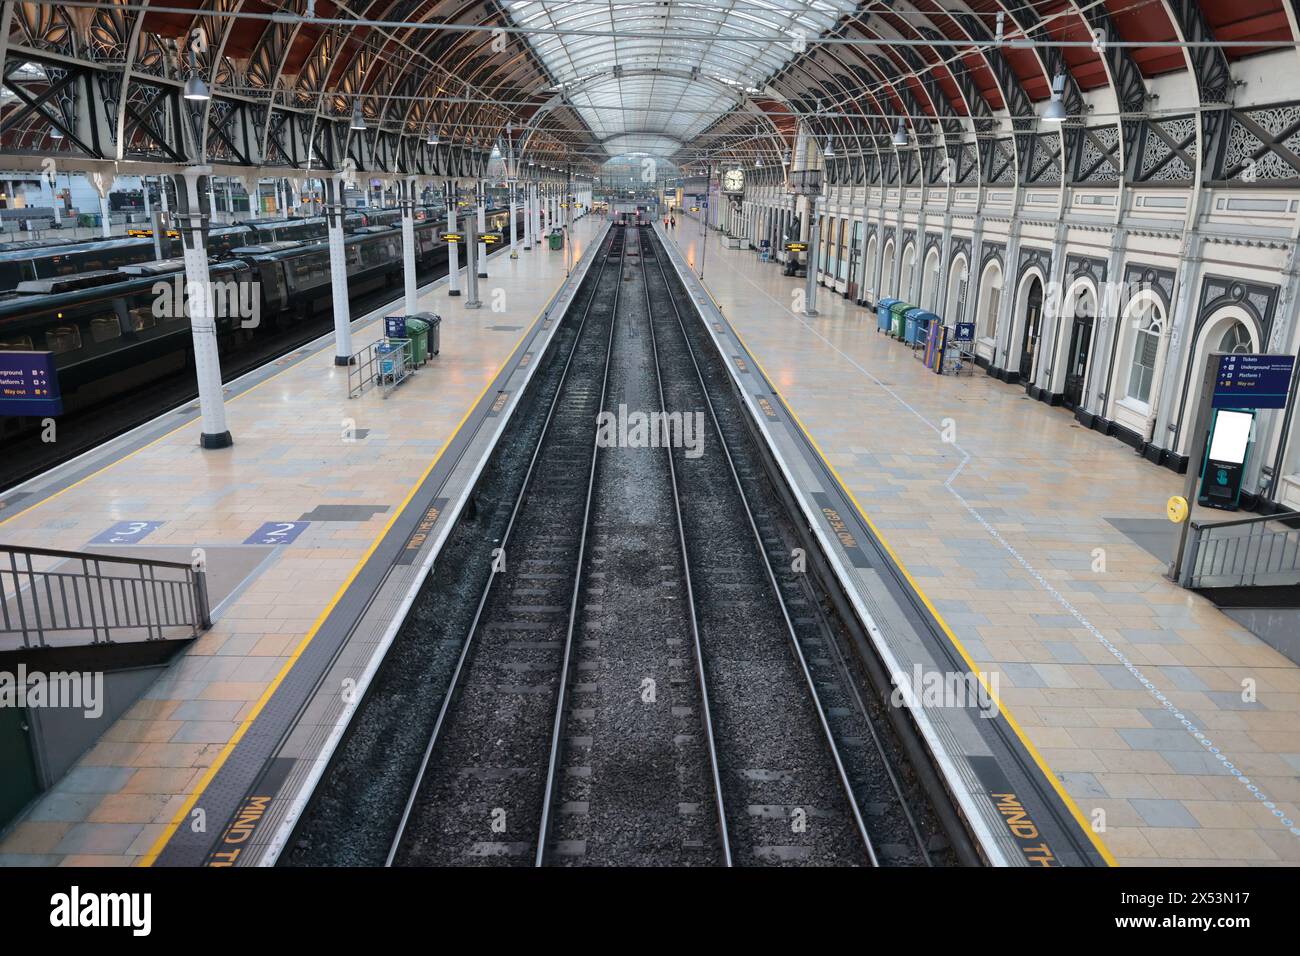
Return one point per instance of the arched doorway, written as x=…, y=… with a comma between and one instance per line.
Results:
x=1032, y=310
x=908, y=267
x=887, y=271
x=1229, y=329
x=930, y=280
x=990, y=302
x=1082, y=313
x=855, y=261
x=873, y=292
x=955, y=303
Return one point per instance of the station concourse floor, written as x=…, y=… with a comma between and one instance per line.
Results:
x=289, y=463
x=999, y=529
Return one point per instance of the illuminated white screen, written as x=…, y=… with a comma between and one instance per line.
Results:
x=1231, y=435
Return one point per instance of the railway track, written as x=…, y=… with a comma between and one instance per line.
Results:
x=479, y=780
x=640, y=683
x=641, y=678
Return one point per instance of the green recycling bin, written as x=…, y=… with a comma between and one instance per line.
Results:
x=557, y=239
x=417, y=330
x=433, y=333
x=898, y=310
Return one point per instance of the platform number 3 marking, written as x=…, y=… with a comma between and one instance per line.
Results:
x=126, y=532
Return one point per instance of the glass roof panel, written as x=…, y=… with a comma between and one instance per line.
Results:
x=665, y=72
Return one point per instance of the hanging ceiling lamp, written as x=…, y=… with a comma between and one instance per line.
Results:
x=196, y=89
x=358, y=119
x=900, y=134
x=1055, y=111
x=433, y=137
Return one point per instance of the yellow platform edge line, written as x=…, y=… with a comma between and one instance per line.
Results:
x=221, y=758
x=1043, y=767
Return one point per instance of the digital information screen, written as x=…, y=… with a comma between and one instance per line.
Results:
x=29, y=384
x=1231, y=436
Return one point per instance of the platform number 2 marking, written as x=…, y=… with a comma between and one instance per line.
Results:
x=277, y=532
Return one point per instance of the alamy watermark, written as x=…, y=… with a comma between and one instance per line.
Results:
x=73, y=690
x=226, y=299
x=959, y=689
x=651, y=430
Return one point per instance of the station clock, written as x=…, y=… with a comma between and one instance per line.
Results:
x=733, y=181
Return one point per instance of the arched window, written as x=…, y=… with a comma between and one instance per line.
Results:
x=1236, y=338
x=1148, y=324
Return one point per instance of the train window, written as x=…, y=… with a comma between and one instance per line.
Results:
x=143, y=318
x=104, y=328
x=22, y=343
x=63, y=338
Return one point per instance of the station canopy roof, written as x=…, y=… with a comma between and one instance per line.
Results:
x=643, y=93
x=566, y=84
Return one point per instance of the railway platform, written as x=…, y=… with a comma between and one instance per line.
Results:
x=1171, y=731
x=313, y=527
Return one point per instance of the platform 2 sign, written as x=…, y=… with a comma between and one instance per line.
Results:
x=1253, y=381
x=277, y=532
x=29, y=384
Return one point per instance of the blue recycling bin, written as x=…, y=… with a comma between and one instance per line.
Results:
x=916, y=326
x=884, y=318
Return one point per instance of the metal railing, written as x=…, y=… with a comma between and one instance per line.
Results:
x=1260, y=551
x=98, y=598
x=375, y=366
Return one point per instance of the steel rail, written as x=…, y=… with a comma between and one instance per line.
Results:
x=557, y=727
x=791, y=633
x=453, y=687
x=705, y=708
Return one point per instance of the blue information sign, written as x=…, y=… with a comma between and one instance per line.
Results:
x=395, y=326
x=277, y=532
x=29, y=384
x=1253, y=381
x=965, y=332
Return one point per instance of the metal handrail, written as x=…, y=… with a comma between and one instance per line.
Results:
x=130, y=594
x=1253, y=519
x=1242, y=559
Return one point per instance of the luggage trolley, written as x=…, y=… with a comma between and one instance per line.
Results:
x=960, y=353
